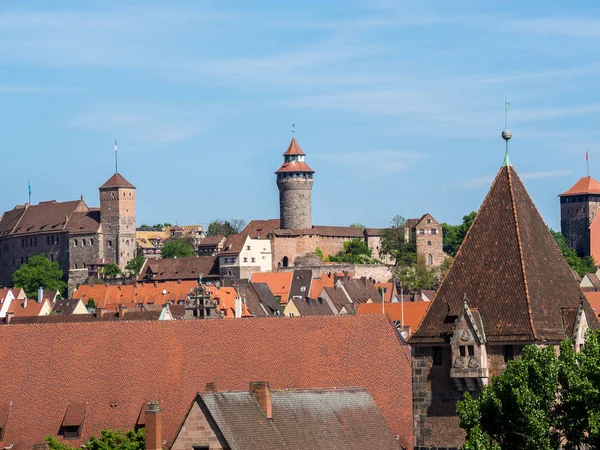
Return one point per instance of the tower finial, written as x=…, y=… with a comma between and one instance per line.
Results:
x=293, y=129
x=506, y=134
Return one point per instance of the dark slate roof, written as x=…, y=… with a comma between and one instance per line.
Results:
x=267, y=298
x=65, y=306
x=302, y=419
x=361, y=290
x=174, y=269
x=117, y=181
x=131, y=314
x=310, y=307
x=510, y=268
x=301, y=281
x=128, y=363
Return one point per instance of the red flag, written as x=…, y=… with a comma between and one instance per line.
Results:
x=586, y=156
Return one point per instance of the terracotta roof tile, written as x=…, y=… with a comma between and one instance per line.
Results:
x=117, y=181
x=294, y=148
x=280, y=283
x=234, y=244
x=295, y=166
x=211, y=241
x=586, y=185
x=128, y=363
x=414, y=312
x=84, y=222
x=173, y=269
x=260, y=228
x=510, y=268
x=50, y=216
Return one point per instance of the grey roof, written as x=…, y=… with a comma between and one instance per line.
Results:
x=267, y=298
x=302, y=278
x=310, y=307
x=65, y=306
x=302, y=419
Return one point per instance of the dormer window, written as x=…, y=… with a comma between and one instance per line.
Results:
x=72, y=423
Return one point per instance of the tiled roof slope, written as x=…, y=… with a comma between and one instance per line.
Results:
x=302, y=419
x=510, y=268
x=129, y=363
x=260, y=229
x=586, y=185
x=294, y=148
x=413, y=312
x=117, y=181
x=173, y=269
x=295, y=166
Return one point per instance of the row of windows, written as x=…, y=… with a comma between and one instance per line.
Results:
x=576, y=210
x=509, y=353
x=33, y=242
x=432, y=231
x=83, y=242
x=252, y=259
x=281, y=176
x=580, y=198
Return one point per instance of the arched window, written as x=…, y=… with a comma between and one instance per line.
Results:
x=286, y=261
x=429, y=259
x=428, y=242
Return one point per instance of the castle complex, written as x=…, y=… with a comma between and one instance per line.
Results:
x=71, y=233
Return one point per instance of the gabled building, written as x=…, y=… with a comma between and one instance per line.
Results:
x=180, y=269
x=211, y=245
x=305, y=306
x=285, y=419
x=349, y=293
x=242, y=255
x=507, y=287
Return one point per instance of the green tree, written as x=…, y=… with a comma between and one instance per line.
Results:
x=357, y=225
x=177, y=248
x=225, y=227
x=417, y=276
x=319, y=253
x=38, y=272
x=109, y=439
x=111, y=270
x=444, y=267
x=356, y=251
x=91, y=303
x=135, y=264
x=453, y=235
x=581, y=265
x=396, y=245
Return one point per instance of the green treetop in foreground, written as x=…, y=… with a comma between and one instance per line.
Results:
x=177, y=248
x=540, y=401
x=109, y=439
x=38, y=272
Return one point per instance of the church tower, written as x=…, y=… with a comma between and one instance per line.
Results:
x=117, y=220
x=578, y=207
x=295, y=181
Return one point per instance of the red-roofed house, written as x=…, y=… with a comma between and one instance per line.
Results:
x=406, y=317
x=279, y=283
x=242, y=255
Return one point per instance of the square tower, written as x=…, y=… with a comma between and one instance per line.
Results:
x=117, y=220
x=578, y=207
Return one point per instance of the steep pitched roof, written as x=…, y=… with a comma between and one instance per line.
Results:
x=294, y=148
x=234, y=244
x=279, y=283
x=301, y=283
x=510, y=269
x=585, y=185
x=294, y=166
x=311, y=307
x=172, y=269
x=211, y=241
x=261, y=228
x=413, y=312
x=301, y=419
x=361, y=290
x=84, y=222
x=129, y=363
x=117, y=181
x=267, y=298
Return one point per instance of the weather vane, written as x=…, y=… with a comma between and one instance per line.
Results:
x=293, y=129
x=506, y=134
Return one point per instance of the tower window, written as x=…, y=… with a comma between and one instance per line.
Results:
x=429, y=259
x=83, y=242
x=428, y=242
x=92, y=241
x=437, y=356
x=110, y=243
x=75, y=242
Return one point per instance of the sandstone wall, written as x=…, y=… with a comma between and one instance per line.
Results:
x=197, y=431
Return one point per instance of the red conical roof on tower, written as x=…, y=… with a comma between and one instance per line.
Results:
x=117, y=181
x=294, y=148
x=294, y=165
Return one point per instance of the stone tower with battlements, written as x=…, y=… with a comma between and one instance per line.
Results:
x=295, y=181
x=117, y=220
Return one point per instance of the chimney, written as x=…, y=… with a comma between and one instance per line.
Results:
x=100, y=311
x=212, y=387
x=153, y=426
x=122, y=309
x=9, y=316
x=262, y=394
x=238, y=307
x=40, y=294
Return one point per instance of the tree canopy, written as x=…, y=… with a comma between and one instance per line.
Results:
x=356, y=251
x=38, y=272
x=453, y=235
x=581, y=265
x=357, y=225
x=111, y=270
x=109, y=439
x=225, y=227
x=135, y=264
x=541, y=401
x=396, y=244
x=177, y=248
x=417, y=276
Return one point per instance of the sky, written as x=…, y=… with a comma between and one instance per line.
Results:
x=398, y=105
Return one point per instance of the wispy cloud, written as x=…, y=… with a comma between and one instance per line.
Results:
x=581, y=27
x=481, y=181
x=373, y=163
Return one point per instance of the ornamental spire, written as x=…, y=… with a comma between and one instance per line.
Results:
x=506, y=135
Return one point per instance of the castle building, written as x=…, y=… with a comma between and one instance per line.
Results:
x=508, y=286
x=578, y=208
x=295, y=181
x=71, y=233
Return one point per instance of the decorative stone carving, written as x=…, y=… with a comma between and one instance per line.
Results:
x=473, y=363
x=465, y=336
x=459, y=363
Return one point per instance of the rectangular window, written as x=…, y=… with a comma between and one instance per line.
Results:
x=434, y=231
x=248, y=247
x=437, y=356
x=509, y=353
x=70, y=432
x=471, y=349
x=245, y=259
x=253, y=260
x=421, y=231
x=461, y=349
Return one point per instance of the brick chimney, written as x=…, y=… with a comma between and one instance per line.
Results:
x=9, y=316
x=262, y=394
x=153, y=426
x=122, y=309
x=212, y=387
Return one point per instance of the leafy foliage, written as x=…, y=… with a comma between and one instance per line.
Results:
x=225, y=227
x=91, y=303
x=356, y=251
x=177, y=248
x=319, y=252
x=357, y=225
x=417, y=276
x=540, y=401
x=156, y=226
x=135, y=264
x=109, y=439
x=38, y=272
x=396, y=245
x=455, y=234
x=581, y=265
x=111, y=270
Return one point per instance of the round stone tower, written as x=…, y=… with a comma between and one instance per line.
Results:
x=295, y=181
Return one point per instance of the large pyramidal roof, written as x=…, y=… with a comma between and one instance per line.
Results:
x=509, y=269
x=117, y=181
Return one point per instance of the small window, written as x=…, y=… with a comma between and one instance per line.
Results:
x=429, y=259
x=471, y=349
x=291, y=314
x=461, y=349
x=83, y=242
x=437, y=356
x=421, y=231
x=71, y=432
x=428, y=242
x=302, y=288
x=245, y=259
x=92, y=241
x=248, y=247
x=253, y=260
x=509, y=353
x=428, y=220
x=51, y=258
x=47, y=240
x=110, y=243
x=75, y=242
x=434, y=231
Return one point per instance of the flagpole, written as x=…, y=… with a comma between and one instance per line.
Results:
x=116, y=158
x=587, y=162
x=29, y=190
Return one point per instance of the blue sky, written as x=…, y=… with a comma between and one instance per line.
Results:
x=398, y=105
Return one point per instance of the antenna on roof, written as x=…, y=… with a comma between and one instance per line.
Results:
x=116, y=157
x=506, y=134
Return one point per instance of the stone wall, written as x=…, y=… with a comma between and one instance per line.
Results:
x=576, y=214
x=430, y=242
x=293, y=246
x=378, y=272
x=295, y=202
x=117, y=218
x=197, y=431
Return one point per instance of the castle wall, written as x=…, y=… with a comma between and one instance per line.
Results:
x=295, y=202
x=293, y=246
x=576, y=214
x=378, y=272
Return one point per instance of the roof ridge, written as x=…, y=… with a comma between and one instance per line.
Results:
x=27, y=205
x=520, y=244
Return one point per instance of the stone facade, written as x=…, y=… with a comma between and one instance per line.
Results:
x=198, y=432
x=380, y=273
x=117, y=217
x=287, y=248
x=429, y=239
x=576, y=214
x=295, y=202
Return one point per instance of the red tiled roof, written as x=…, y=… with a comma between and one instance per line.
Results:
x=280, y=283
x=234, y=244
x=117, y=181
x=27, y=308
x=413, y=312
x=226, y=301
x=510, y=268
x=295, y=166
x=173, y=269
x=128, y=363
x=318, y=284
x=260, y=228
x=586, y=185
x=594, y=300
x=211, y=240
x=294, y=148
